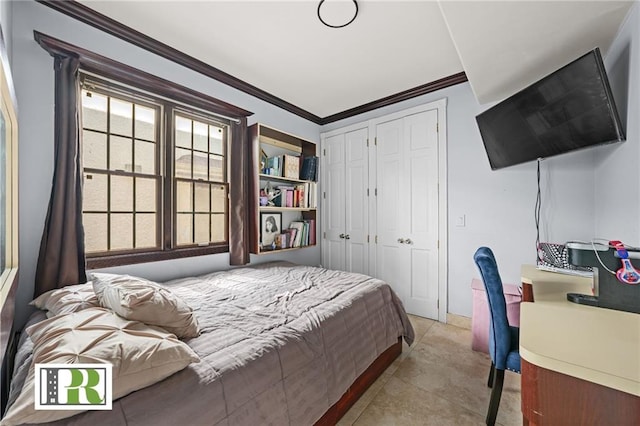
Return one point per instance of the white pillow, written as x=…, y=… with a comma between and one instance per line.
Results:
x=141, y=355
x=142, y=300
x=65, y=300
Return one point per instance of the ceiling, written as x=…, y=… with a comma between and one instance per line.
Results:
x=282, y=48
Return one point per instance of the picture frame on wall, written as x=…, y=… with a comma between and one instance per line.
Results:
x=270, y=227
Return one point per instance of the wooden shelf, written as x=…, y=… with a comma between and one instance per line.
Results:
x=262, y=251
x=283, y=179
x=290, y=209
x=264, y=140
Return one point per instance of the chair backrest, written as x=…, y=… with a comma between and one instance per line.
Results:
x=499, y=334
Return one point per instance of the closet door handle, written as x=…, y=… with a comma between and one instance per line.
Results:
x=341, y=235
x=408, y=241
x=346, y=237
x=401, y=240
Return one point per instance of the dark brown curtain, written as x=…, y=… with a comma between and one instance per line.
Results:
x=61, y=260
x=238, y=196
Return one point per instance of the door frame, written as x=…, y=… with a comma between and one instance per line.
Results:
x=443, y=259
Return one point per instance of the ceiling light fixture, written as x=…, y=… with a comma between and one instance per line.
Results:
x=338, y=26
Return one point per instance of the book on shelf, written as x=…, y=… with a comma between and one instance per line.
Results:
x=299, y=238
x=274, y=166
x=292, y=234
x=291, y=166
x=286, y=195
x=282, y=240
x=312, y=231
x=309, y=169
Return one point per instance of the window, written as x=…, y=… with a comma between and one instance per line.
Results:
x=8, y=186
x=200, y=177
x=155, y=176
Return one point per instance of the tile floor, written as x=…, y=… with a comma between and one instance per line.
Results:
x=439, y=381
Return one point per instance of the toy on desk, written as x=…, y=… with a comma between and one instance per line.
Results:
x=627, y=273
x=615, y=283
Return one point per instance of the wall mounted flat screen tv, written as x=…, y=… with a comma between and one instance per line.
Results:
x=570, y=109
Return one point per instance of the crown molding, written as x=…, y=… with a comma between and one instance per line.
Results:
x=442, y=83
x=97, y=20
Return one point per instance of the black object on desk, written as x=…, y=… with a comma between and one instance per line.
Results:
x=582, y=299
x=611, y=293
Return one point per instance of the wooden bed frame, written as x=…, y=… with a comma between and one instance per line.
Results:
x=361, y=384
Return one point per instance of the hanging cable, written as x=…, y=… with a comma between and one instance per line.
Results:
x=536, y=212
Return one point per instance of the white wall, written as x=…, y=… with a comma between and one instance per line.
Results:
x=34, y=80
x=498, y=205
x=617, y=190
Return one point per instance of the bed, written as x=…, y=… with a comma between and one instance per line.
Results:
x=278, y=344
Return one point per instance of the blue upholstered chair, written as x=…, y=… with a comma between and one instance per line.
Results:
x=503, y=339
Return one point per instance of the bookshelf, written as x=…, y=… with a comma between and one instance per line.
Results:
x=283, y=191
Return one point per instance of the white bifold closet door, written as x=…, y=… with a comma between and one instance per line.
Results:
x=407, y=209
x=346, y=171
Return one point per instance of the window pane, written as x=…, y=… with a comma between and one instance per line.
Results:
x=94, y=150
x=95, y=232
x=145, y=159
x=216, y=168
x=202, y=197
x=200, y=136
x=121, y=231
x=202, y=228
x=200, y=166
x=146, y=230
x=184, y=230
x=121, y=117
x=94, y=111
x=215, y=139
x=121, y=193
x=218, y=229
x=183, y=132
x=146, y=195
x=145, y=123
x=184, y=197
x=218, y=199
x=183, y=163
x=94, y=197
x=120, y=154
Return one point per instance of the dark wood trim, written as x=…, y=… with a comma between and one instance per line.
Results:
x=156, y=256
x=361, y=384
x=442, y=83
x=552, y=398
x=102, y=66
x=97, y=20
x=527, y=292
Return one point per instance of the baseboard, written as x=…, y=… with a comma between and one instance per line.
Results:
x=459, y=321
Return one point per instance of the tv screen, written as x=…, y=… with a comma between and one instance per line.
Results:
x=569, y=109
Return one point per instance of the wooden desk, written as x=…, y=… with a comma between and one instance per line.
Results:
x=580, y=364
